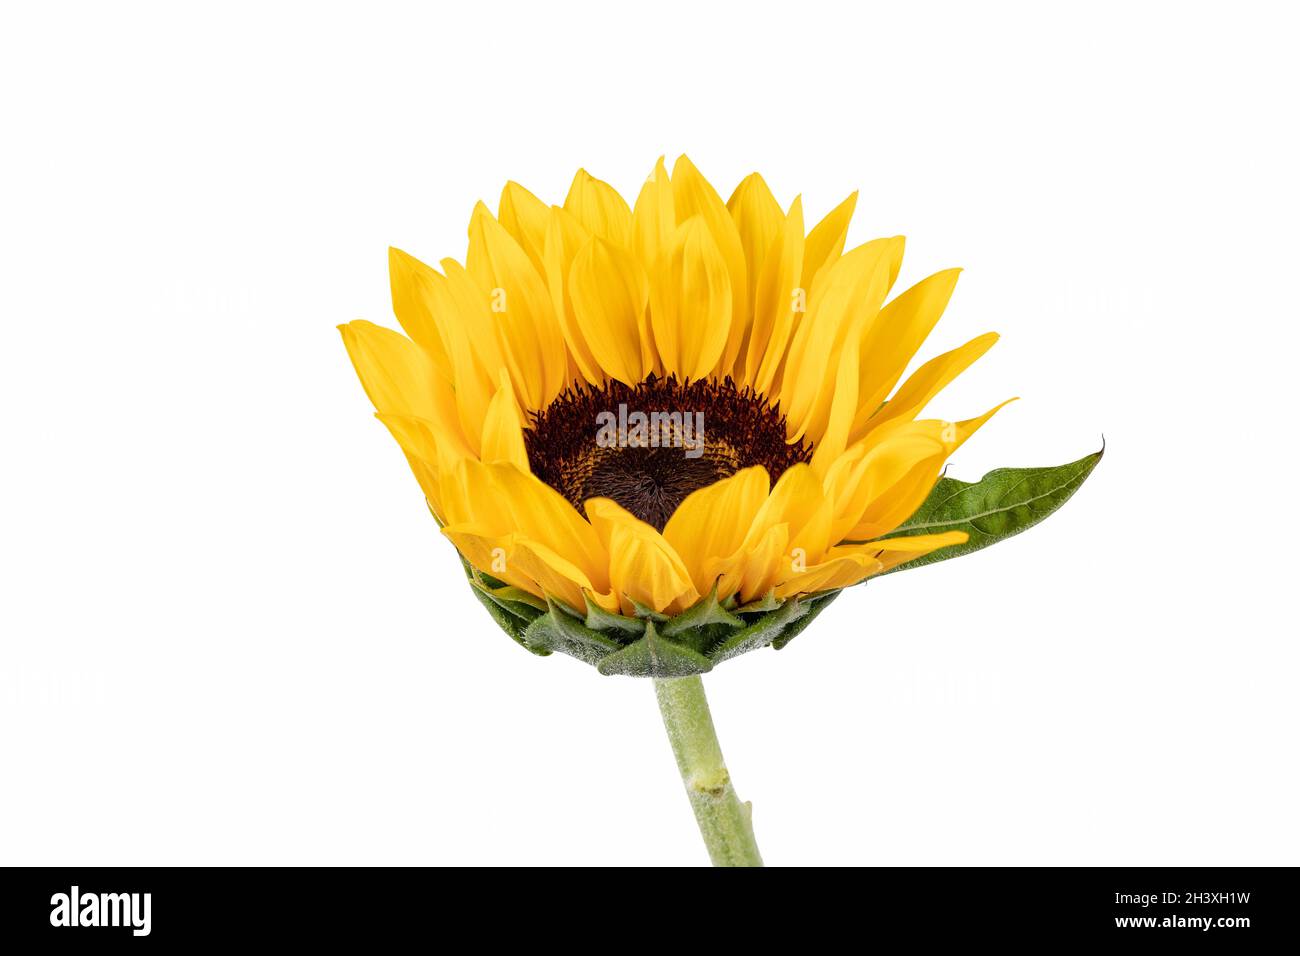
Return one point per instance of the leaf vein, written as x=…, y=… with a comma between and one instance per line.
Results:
x=998, y=510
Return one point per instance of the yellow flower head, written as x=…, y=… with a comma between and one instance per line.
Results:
x=630, y=410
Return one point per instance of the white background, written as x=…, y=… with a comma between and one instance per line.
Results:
x=232, y=634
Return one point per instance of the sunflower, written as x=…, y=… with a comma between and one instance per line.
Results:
x=631, y=412
x=665, y=435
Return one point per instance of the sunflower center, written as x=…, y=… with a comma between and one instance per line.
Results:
x=649, y=446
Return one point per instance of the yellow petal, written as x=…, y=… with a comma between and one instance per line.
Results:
x=492, y=553
x=397, y=374
x=693, y=196
x=415, y=436
x=411, y=282
x=653, y=218
x=525, y=217
x=758, y=219
x=654, y=222
x=600, y=209
x=846, y=566
x=904, y=467
x=427, y=479
x=845, y=490
x=462, y=306
x=777, y=303
x=605, y=514
x=504, y=500
x=711, y=524
x=503, y=435
x=922, y=385
x=898, y=333
x=610, y=291
x=560, y=577
x=542, y=514
x=954, y=434
x=643, y=566
x=826, y=242
x=763, y=563
x=891, y=552
x=830, y=575
x=527, y=564
x=471, y=342
x=798, y=506
x=855, y=286
x=564, y=237
x=690, y=304
x=834, y=437
x=644, y=569
x=888, y=478
x=797, y=502
x=527, y=330
x=439, y=447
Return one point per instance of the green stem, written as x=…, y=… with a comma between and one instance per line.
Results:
x=724, y=821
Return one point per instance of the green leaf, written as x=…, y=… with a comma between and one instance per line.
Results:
x=1003, y=503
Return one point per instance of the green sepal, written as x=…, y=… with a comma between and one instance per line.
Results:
x=776, y=628
x=815, y=604
x=598, y=619
x=760, y=632
x=1001, y=504
x=646, y=613
x=511, y=617
x=768, y=602
x=508, y=594
x=702, y=613
x=651, y=655
x=653, y=645
x=558, y=630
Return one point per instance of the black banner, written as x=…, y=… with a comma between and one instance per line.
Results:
x=135, y=907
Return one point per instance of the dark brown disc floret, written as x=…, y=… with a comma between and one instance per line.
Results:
x=650, y=445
